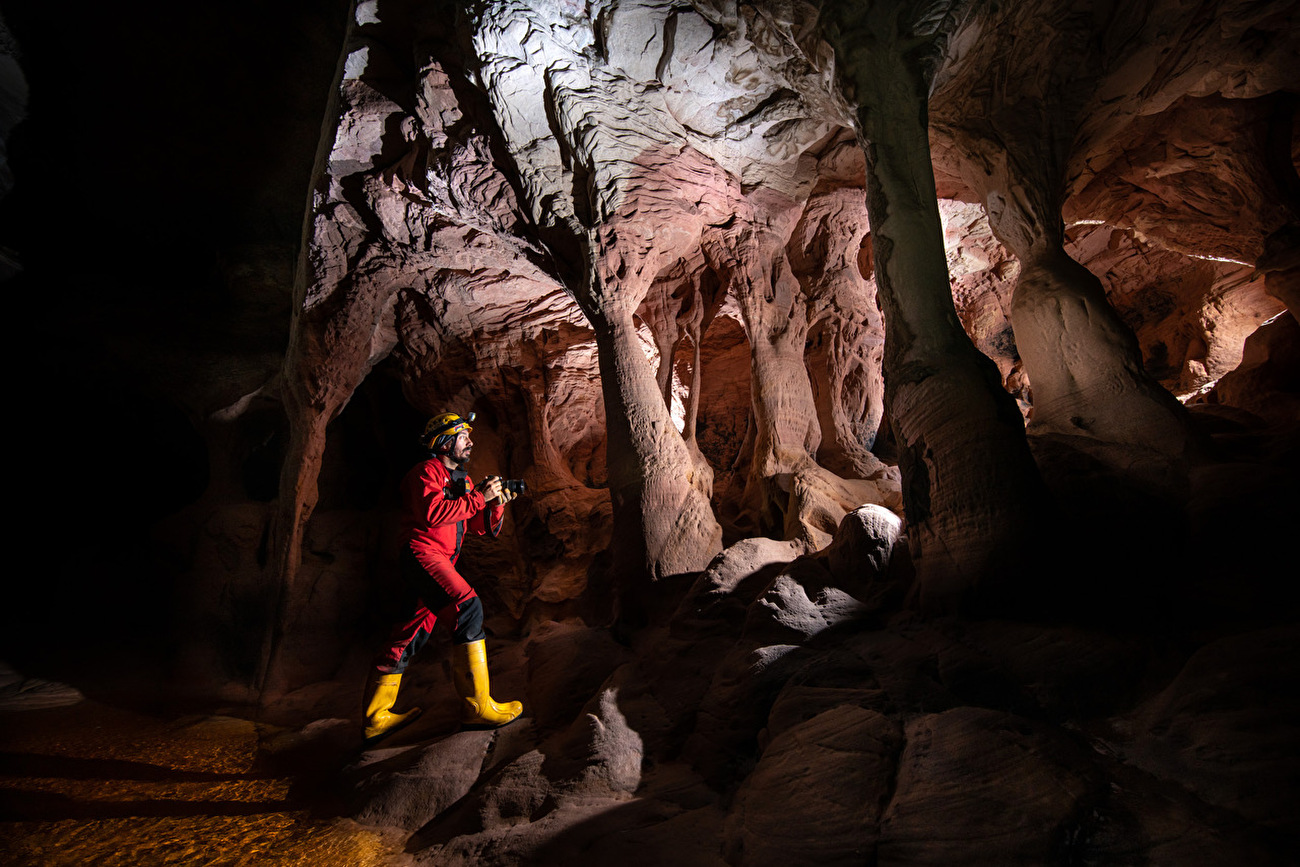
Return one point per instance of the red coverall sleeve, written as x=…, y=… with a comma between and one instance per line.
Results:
x=438, y=510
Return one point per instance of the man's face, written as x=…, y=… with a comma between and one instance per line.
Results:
x=461, y=448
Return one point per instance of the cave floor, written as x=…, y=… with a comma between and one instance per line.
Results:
x=92, y=783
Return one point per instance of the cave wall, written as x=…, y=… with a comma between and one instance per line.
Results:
x=454, y=222
x=156, y=209
x=474, y=196
x=270, y=246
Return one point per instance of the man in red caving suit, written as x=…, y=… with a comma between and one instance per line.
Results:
x=439, y=505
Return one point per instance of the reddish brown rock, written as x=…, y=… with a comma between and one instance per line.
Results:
x=720, y=596
x=863, y=545
x=566, y=664
x=1191, y=316
x=412, y=787
x=1225, y=727
x=982, y=787
x=817, y=794
x=634, y=238
x=1267, y=382
x=929, y=360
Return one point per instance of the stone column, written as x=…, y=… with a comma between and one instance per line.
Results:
x=680, y=306
x=830, y=253
x=663, y=524
x=334, y=344
x=605, y=188
x=753, y=264
x=971, y=492
x=1084, y=364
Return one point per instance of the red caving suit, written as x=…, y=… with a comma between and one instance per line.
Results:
x=433, y=525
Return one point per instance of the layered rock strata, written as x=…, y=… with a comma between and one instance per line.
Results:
x=518, y=201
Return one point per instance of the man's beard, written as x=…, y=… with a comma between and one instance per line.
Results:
x=462, y=460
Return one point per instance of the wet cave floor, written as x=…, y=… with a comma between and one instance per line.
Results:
x=96, y=784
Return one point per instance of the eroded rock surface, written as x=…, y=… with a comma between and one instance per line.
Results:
x=725, y=301
x=685, y=263
x=763, y=366
x=902, y=742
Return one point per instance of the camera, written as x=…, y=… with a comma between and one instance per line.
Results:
x=514, y=486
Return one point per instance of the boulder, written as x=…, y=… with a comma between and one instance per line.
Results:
x=816, y=796
x=31, y=693
x=717, y=601
x=863, y=545
x=1227, y=726
x=410, y=789
x=567, y=662
x=979, y=786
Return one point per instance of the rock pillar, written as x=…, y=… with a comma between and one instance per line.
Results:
x=754, y=267
x=971, y=492
x=1083, y=363
x=663, y=524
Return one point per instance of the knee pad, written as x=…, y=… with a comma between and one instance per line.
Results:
x=469, y=621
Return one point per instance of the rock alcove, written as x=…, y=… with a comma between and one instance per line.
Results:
x=907, y=395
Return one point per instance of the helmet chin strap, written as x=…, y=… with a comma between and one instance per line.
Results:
x=444, y=449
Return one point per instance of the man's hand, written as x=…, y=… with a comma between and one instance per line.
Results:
x=491, y=489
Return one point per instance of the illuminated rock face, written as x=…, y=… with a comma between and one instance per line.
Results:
x=759, y=305
x=565, y=234
x=576, y=220
x=645, y=243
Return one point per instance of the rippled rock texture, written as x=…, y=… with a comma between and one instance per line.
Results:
x=576, y=219
x=906, y=394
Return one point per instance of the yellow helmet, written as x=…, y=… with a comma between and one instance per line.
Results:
x=446, y=424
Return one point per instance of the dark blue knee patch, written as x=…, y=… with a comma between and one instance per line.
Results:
x=469, y=622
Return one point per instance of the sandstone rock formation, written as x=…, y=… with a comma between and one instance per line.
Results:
x=963, y=530
x=526, y=198
x=906, y=394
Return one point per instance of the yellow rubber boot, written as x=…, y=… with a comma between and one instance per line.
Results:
x=380, y=720
x=469, y=666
